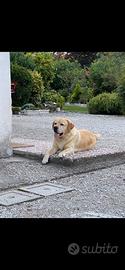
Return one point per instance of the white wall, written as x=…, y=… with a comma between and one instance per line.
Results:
x=5, y=105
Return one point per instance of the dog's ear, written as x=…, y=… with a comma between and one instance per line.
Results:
x=70, y=125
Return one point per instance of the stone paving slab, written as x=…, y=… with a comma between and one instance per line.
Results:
x=16, y=196
x=46, y=189
x=37, y=147
x=21, y=145
x=31, y=192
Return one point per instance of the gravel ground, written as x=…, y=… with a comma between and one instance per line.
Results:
x=38, y=127
x=98, y=194
x=15, y=171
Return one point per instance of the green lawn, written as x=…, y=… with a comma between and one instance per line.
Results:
x=75, y=108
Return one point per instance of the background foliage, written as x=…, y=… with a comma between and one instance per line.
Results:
x=76, y=77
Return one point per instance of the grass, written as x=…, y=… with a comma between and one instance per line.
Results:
x=75, y=108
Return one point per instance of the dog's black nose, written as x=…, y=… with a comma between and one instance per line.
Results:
x=55, y=129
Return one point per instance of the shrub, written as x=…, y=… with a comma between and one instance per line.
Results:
x=28, y=106
x=105, y=103
x=121, y=91
x=81, y=94
x=63, y=92
x=77, y=91
x=103, y=75
x=23, y=80
x=16, y=110
x=29, y=86
x=37, y=88
x=86, y=95
x=53, y=96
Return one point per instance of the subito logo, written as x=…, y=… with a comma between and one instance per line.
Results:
x=73, y=249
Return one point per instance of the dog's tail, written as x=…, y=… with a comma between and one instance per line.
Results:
x=98, y=136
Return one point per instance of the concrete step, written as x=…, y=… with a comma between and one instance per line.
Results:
x=95, y=159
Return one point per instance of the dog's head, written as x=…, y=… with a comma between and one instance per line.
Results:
x=62, y=126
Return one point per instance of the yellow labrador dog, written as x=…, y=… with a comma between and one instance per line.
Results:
x=68, y=139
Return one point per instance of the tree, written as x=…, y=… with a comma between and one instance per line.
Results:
x=23, y=59
x=37, y=88
x=44, y=64
x=23, y=80
x=66, y=74
x=81, y=94
x=121, y=91
x=84, y=58
x=77, y=91
x=103, y=75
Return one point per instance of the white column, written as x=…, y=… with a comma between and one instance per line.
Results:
x=5, y=105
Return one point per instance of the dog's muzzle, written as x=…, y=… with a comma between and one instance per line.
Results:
x=56, y=129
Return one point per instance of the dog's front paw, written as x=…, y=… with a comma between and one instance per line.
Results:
x=45, y=160
x=61, y=154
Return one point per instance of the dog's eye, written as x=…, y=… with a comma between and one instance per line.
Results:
x=55, y=123
x=62, y=124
